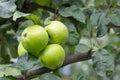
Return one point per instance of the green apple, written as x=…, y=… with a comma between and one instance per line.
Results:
x=52, y=56
x=42, y=2
x=57, y=31
x=21, y=49
x=34, y=39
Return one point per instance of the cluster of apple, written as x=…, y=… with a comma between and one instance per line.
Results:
x=45, y=43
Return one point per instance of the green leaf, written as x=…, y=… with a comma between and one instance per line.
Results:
x=102, y=30
x=115, y=17
x=102, y=25
x=100, y=2
x=103, y=63
x=58, y=2
x=65, y=11
x=73, y=38
x=7, y=8
x=81, y=48
x=34, y=18
x=5, y=27
x=20, y=3
x=73, y=11
x=118, y=2
x=12, y=44
x=79, y=15
x=94, y=18
x=5, y=57
x=6, y=70
x=111, y=50
x=23, y=25
x=47, y=76
x=18, y=14
x=8, y=78
x=78, y=76
x=27, y=62
x=12, y=71
x=29, y=16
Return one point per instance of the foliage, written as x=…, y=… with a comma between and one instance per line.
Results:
x=91, y=23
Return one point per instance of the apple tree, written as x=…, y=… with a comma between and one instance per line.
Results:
x=59, y=39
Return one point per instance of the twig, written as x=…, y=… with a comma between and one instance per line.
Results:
x=110, y=25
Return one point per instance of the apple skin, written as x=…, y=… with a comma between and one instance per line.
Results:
x=57, y=31
x=52, y=56
x=21, y=49
x=34, y=39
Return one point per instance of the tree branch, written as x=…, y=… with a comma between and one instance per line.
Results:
x=30, y=7
x=113, y=26
x=68, y=60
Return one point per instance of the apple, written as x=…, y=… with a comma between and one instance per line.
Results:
x=42, y=2
x=34, y=39
x=21, y=49
x=52, y=56
x=57, y=32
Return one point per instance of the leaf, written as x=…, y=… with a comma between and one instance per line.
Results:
x=102, y=25
x=11, y=71
x=7, y=8
x=73, y=38
x=78, y=15
x=103, y=63
x=118, y=2
x=4, y=52
x=81, y=48
x=6, y=70
x=12, y=44
x=20, y=3
x=100, y=2
x=34, y=18
x=65, y=11
x=23, y=25
x=8, y=78
x=29, y=16
x=27, y=62
x=102, y=30
x=78, y=76
x=111, y=50
x=18, y=14
x=73, y=11
x=58, y=2
x=115, y=17
x=94, y=18
x=48, y=76
x=5, y=27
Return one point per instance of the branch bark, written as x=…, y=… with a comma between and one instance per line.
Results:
x=68, y=60
x=113, y=26
x=30, y=7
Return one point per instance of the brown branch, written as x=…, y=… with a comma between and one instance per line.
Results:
x=68, y=60
x=30, y=7
x=110, y=25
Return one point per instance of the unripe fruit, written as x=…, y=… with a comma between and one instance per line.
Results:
x=34, y=39
x=21, y=49
x=57, y=31
x=52, y=56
